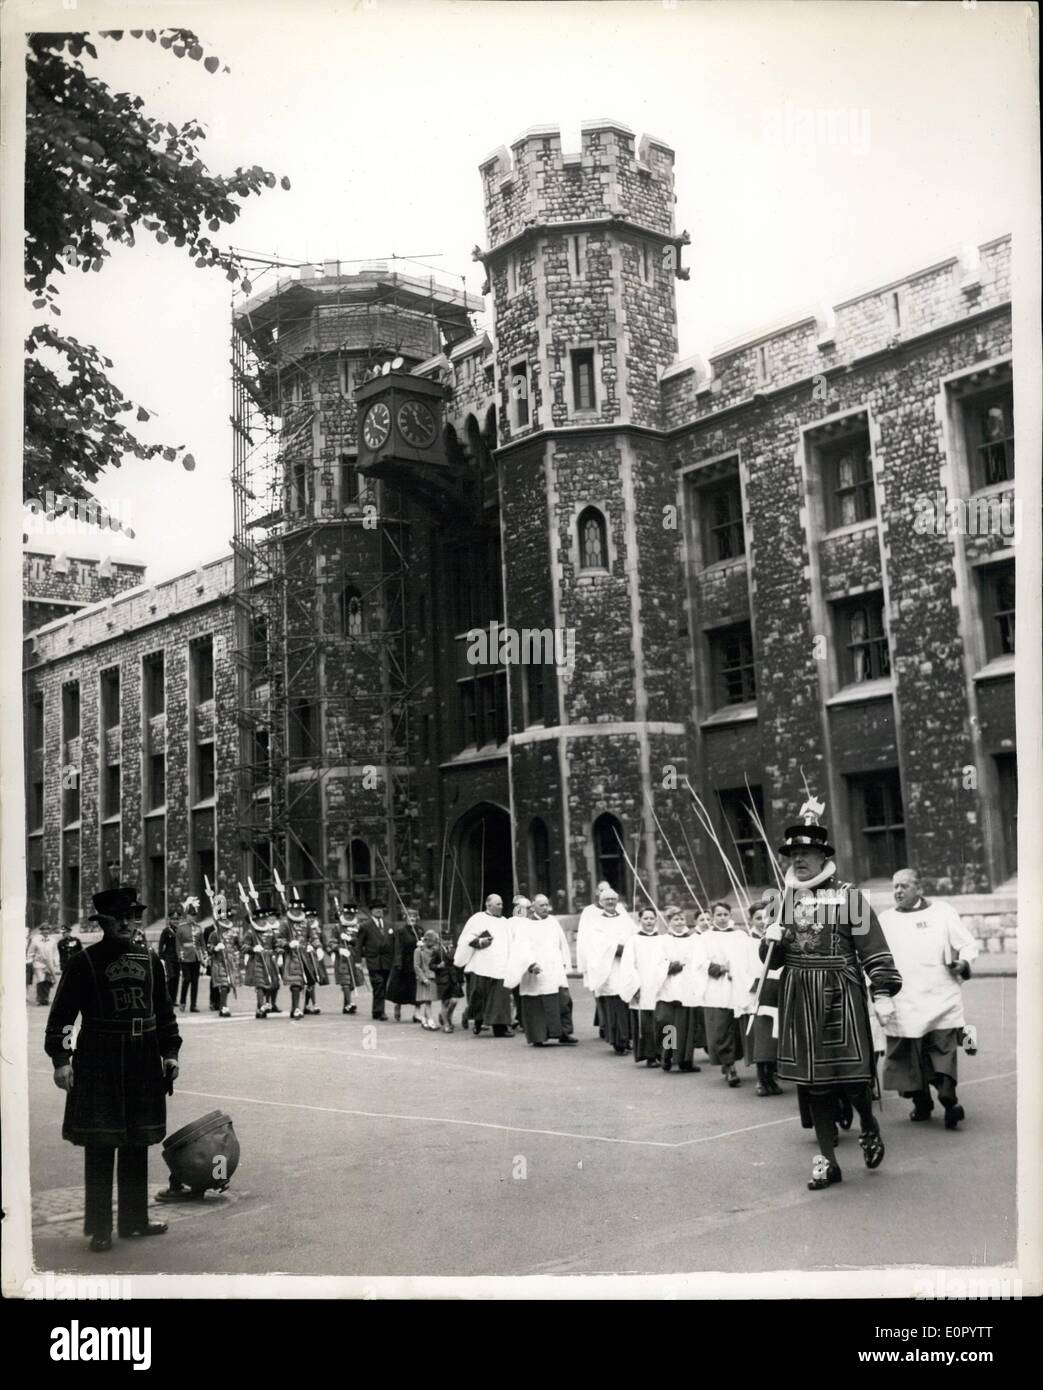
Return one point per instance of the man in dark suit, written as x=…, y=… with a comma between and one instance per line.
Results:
x=123, y=1067
x=376, y=942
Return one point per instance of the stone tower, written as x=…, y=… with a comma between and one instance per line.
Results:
x=582, y=261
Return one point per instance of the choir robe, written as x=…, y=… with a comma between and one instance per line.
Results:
x=598, y=937
x=679, y=999
x=543, y=997
x=489, y=1003
x=728, y=997
x=922, y=1037
x=642, y=970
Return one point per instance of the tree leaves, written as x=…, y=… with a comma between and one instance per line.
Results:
x=98, y=167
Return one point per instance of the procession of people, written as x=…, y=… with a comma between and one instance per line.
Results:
x=811, y=988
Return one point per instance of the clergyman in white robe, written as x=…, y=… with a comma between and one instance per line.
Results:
x=603, y=930
x=538, y=967
x=482, y=952
x=933, y=952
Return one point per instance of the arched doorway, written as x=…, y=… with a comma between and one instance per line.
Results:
x=480, y=848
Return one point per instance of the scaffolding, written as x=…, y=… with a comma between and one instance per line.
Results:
x=322, y=560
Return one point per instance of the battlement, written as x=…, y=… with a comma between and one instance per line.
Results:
x=133, y=609
x=781, y=354
x=538, y=184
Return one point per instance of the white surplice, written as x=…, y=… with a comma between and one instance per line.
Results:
x=922, y=941
x=739, y=955
x=542, y=943
x=688, y=986
x=598, y=936
x=490, y=960
x=642, y=969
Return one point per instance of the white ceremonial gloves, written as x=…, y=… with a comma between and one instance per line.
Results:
x=885, y=1010
x=774, y=932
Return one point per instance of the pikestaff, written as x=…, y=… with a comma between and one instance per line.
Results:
x=280, y=889
x=673, y=856
x=633, y=896
x=637, y=879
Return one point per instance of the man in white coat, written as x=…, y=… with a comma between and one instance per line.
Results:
x=538, y=967
x=603, y=930
x=482, y=952
x=933, y=952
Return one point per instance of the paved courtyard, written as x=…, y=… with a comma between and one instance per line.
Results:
x=379, y=1149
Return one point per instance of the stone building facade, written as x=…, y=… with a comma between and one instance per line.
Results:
x=746, y=562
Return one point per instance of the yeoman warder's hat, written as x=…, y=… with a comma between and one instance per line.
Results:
x=807, y=837
x=116, y=902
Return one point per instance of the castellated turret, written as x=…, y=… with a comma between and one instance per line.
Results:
x=582, y=260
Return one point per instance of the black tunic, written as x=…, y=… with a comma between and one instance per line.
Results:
x=128, y=1028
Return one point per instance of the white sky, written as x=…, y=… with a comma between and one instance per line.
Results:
x=380, y=112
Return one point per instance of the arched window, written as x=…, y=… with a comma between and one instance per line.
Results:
x=361, y=871
x=539, y=857
x=593, y=540
x=351, y=614
x=609, y=863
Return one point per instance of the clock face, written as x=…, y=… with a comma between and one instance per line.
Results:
x=377, y=425
x=417, y=425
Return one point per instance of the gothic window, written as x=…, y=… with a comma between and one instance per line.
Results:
x=593, y=540
x=539, y=857
x=609, y=864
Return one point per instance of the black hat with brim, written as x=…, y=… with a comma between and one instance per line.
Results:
x=116, y=902
x=378, y=905
x=807, y=837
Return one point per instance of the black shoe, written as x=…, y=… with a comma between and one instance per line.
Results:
x=261, y=1013
x=621, y=1049
x=918, y=1114
x=193, y=1010
x=823, y=1174
x=668, y=1062
x=150, y=1228
x=352, y=1009
x=99, y=1244
x=762, y=1090
x=734, y=1079
x=536, y=1044
x=476, y=1028
x=651, y=1062
x=872, y=1146
x=953, y=1115
x=567, y=1040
